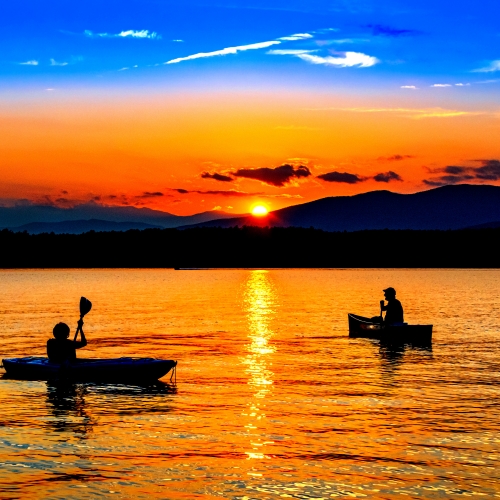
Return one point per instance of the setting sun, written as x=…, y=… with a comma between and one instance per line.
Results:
x=259, y=211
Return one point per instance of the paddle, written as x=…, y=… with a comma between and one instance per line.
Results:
x=85, y=307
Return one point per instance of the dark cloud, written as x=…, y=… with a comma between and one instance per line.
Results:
x=381, y=30
x=395, y=158
x=231, y=192
x=148, y=194
x=453, y=170
x=342, y=177
x=488, y=171
x=278, y=176
x=64, y=192
x=387, y=177
x=217, y=177
x=446, y=180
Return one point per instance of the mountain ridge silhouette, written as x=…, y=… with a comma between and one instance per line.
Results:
x=448, y=207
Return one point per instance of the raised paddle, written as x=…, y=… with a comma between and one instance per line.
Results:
x=85, y=307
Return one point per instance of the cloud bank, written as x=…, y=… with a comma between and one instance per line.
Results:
x=277, y=177
x=348, y=178
x=488, y=171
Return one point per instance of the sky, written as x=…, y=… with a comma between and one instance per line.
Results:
x=223, y=105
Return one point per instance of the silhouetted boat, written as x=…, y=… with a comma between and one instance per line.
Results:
x=119, y=370
x=362, y=327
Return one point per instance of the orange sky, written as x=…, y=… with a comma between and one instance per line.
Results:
x=119, y=146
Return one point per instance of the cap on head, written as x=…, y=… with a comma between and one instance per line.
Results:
x=390, y=291
x=61, y=331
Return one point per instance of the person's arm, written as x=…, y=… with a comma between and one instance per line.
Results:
x=83, y=341
x=383, y=307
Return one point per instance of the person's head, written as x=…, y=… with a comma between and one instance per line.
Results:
x=61, y=331
x=389, y=293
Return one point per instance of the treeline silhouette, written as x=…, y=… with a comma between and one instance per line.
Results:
x=251, y=247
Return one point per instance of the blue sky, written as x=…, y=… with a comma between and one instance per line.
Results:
x=412, y=43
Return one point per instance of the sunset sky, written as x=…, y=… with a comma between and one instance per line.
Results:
x=200, y=105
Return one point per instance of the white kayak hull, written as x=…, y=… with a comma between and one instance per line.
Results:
x=116, y=370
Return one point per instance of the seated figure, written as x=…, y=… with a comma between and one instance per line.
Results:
x=394, y=309
x=62, y=350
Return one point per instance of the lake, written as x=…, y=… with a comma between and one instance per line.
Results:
x=272, y=400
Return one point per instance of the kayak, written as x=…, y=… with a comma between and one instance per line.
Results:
x=361, y=327
x=119, y=370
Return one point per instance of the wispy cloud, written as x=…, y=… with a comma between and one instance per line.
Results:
x=441, y=85
x=341, y=41
x=288, y=52
x=395, y=158
x=412, y=87
x=347, y=60
x=231, y=192
x=149, y=194
x=408, y=112
x=125, y=34
x=226, y=51
x=216, y=176
x=297, y=36
x=53, y=62
x=33, y=62
x=380, y=30
x=493, y=66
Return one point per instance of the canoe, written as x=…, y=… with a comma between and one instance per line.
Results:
x=361, y=327
x=112, y=370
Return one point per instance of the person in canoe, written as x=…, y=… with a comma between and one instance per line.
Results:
x=62, y=350
x=394, y=309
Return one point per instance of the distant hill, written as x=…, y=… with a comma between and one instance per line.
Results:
x=448, y=207
x=19, y=216
x=487, y=225
x=80, y=226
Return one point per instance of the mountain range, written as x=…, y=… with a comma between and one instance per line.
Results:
x=447, y=207
x=92, y=216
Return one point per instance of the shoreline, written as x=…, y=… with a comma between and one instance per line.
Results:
x=253, y=248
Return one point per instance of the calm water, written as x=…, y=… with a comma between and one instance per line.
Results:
x=273, y=400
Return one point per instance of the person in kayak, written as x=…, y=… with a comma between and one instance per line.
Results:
x=60, y=349
x=394, y=309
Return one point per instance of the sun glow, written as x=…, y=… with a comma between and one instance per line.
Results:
x=259, y=211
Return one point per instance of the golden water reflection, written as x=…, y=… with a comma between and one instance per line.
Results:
x=260, y=304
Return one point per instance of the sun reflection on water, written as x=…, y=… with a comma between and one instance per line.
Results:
x=260, y=305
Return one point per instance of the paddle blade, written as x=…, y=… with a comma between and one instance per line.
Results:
x=85, y=306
